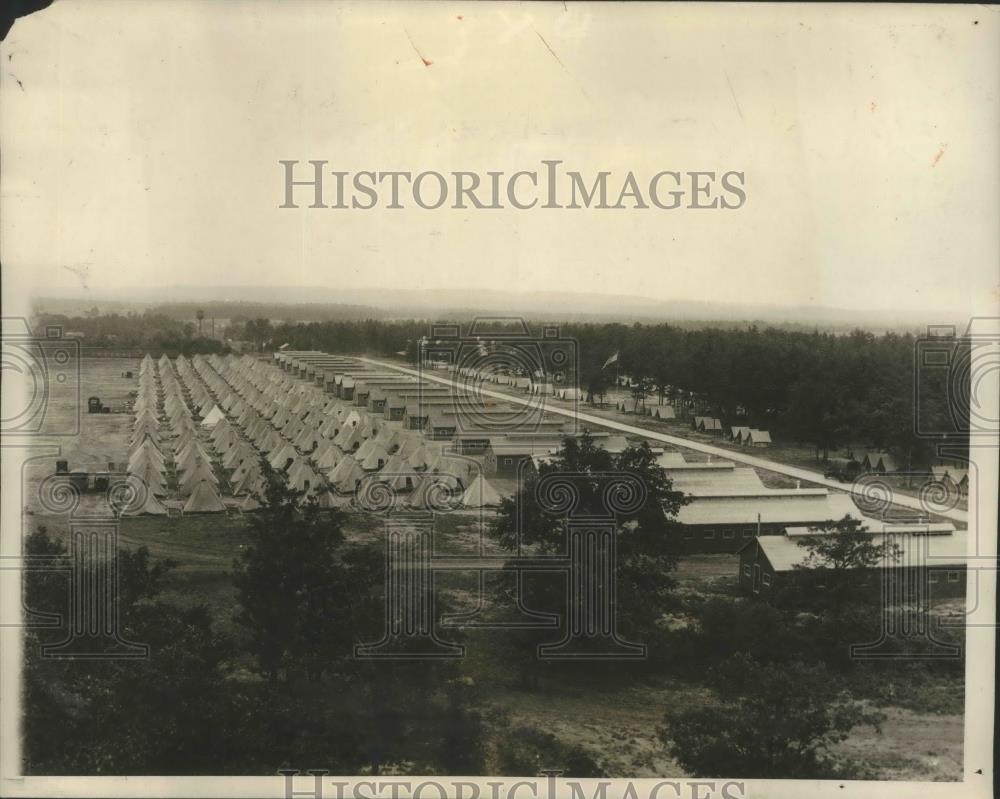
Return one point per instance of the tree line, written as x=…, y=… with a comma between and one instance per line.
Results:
x=841, y=394
x=152, y=331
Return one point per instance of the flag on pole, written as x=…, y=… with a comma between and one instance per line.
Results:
x=611, y=360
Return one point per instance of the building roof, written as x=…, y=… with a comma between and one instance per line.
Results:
x=521, y=448
x=878, y=527
x=785, y=553
x=671, y=459
x=718, y=482
x=778, y=507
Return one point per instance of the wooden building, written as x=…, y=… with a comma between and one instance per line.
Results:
x=936, y=560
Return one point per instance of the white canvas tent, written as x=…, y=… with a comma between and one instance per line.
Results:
x=150, y=507
x=213, y=417
x=480, y=495
x=204, y=499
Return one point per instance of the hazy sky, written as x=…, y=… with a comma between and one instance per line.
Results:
x=141, y=143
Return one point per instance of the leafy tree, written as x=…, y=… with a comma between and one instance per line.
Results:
x=164, y=714
x=307, y=599
x=647, y=538
x=768, y=721
x=522, y=749
x=724, y=626
x=291, y=581
x=259, y=331
x=845, y=552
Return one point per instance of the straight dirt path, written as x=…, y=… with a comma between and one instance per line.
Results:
x=911, y=503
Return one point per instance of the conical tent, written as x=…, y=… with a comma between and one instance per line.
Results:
x=307, y=440
x=152, y=477
x=271, y=441
x=435, y=492
x=151, y=507
x=330, y=427
x=193, y=449
x=330, y=458
x=480, y=495
x=199, y=473
x=280, y=457
x=145, y=403
x=407, y=446
x=364, y=450
x=248, y=481
x=301, y=477
x=235, y=456
x=249, y=464
x=183, y=425
x=184, y=440
x=145, y=417
x=376, y=459
x=188, y=458
x=221, y=429
x=204, y=499
x=143, y=432
x=145, y=455
x=146, y=441
x=350, y=438
x=322, y=448
x=213, y=417
x=328, y=500
x=346, y=475
x=389, y=439
x=352, y=419
x=249, y=503
x=422, y=457
x=401, y=479
x=226, y=442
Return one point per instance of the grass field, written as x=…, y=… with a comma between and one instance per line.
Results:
x=102, y=437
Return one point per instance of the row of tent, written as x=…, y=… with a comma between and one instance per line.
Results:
x=324, y=446
x=738, y=434
x=169, y=443
x=655, y=411
x=536, y=385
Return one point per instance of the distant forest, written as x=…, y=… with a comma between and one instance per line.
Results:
x=830, y=391
x=826, y=390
